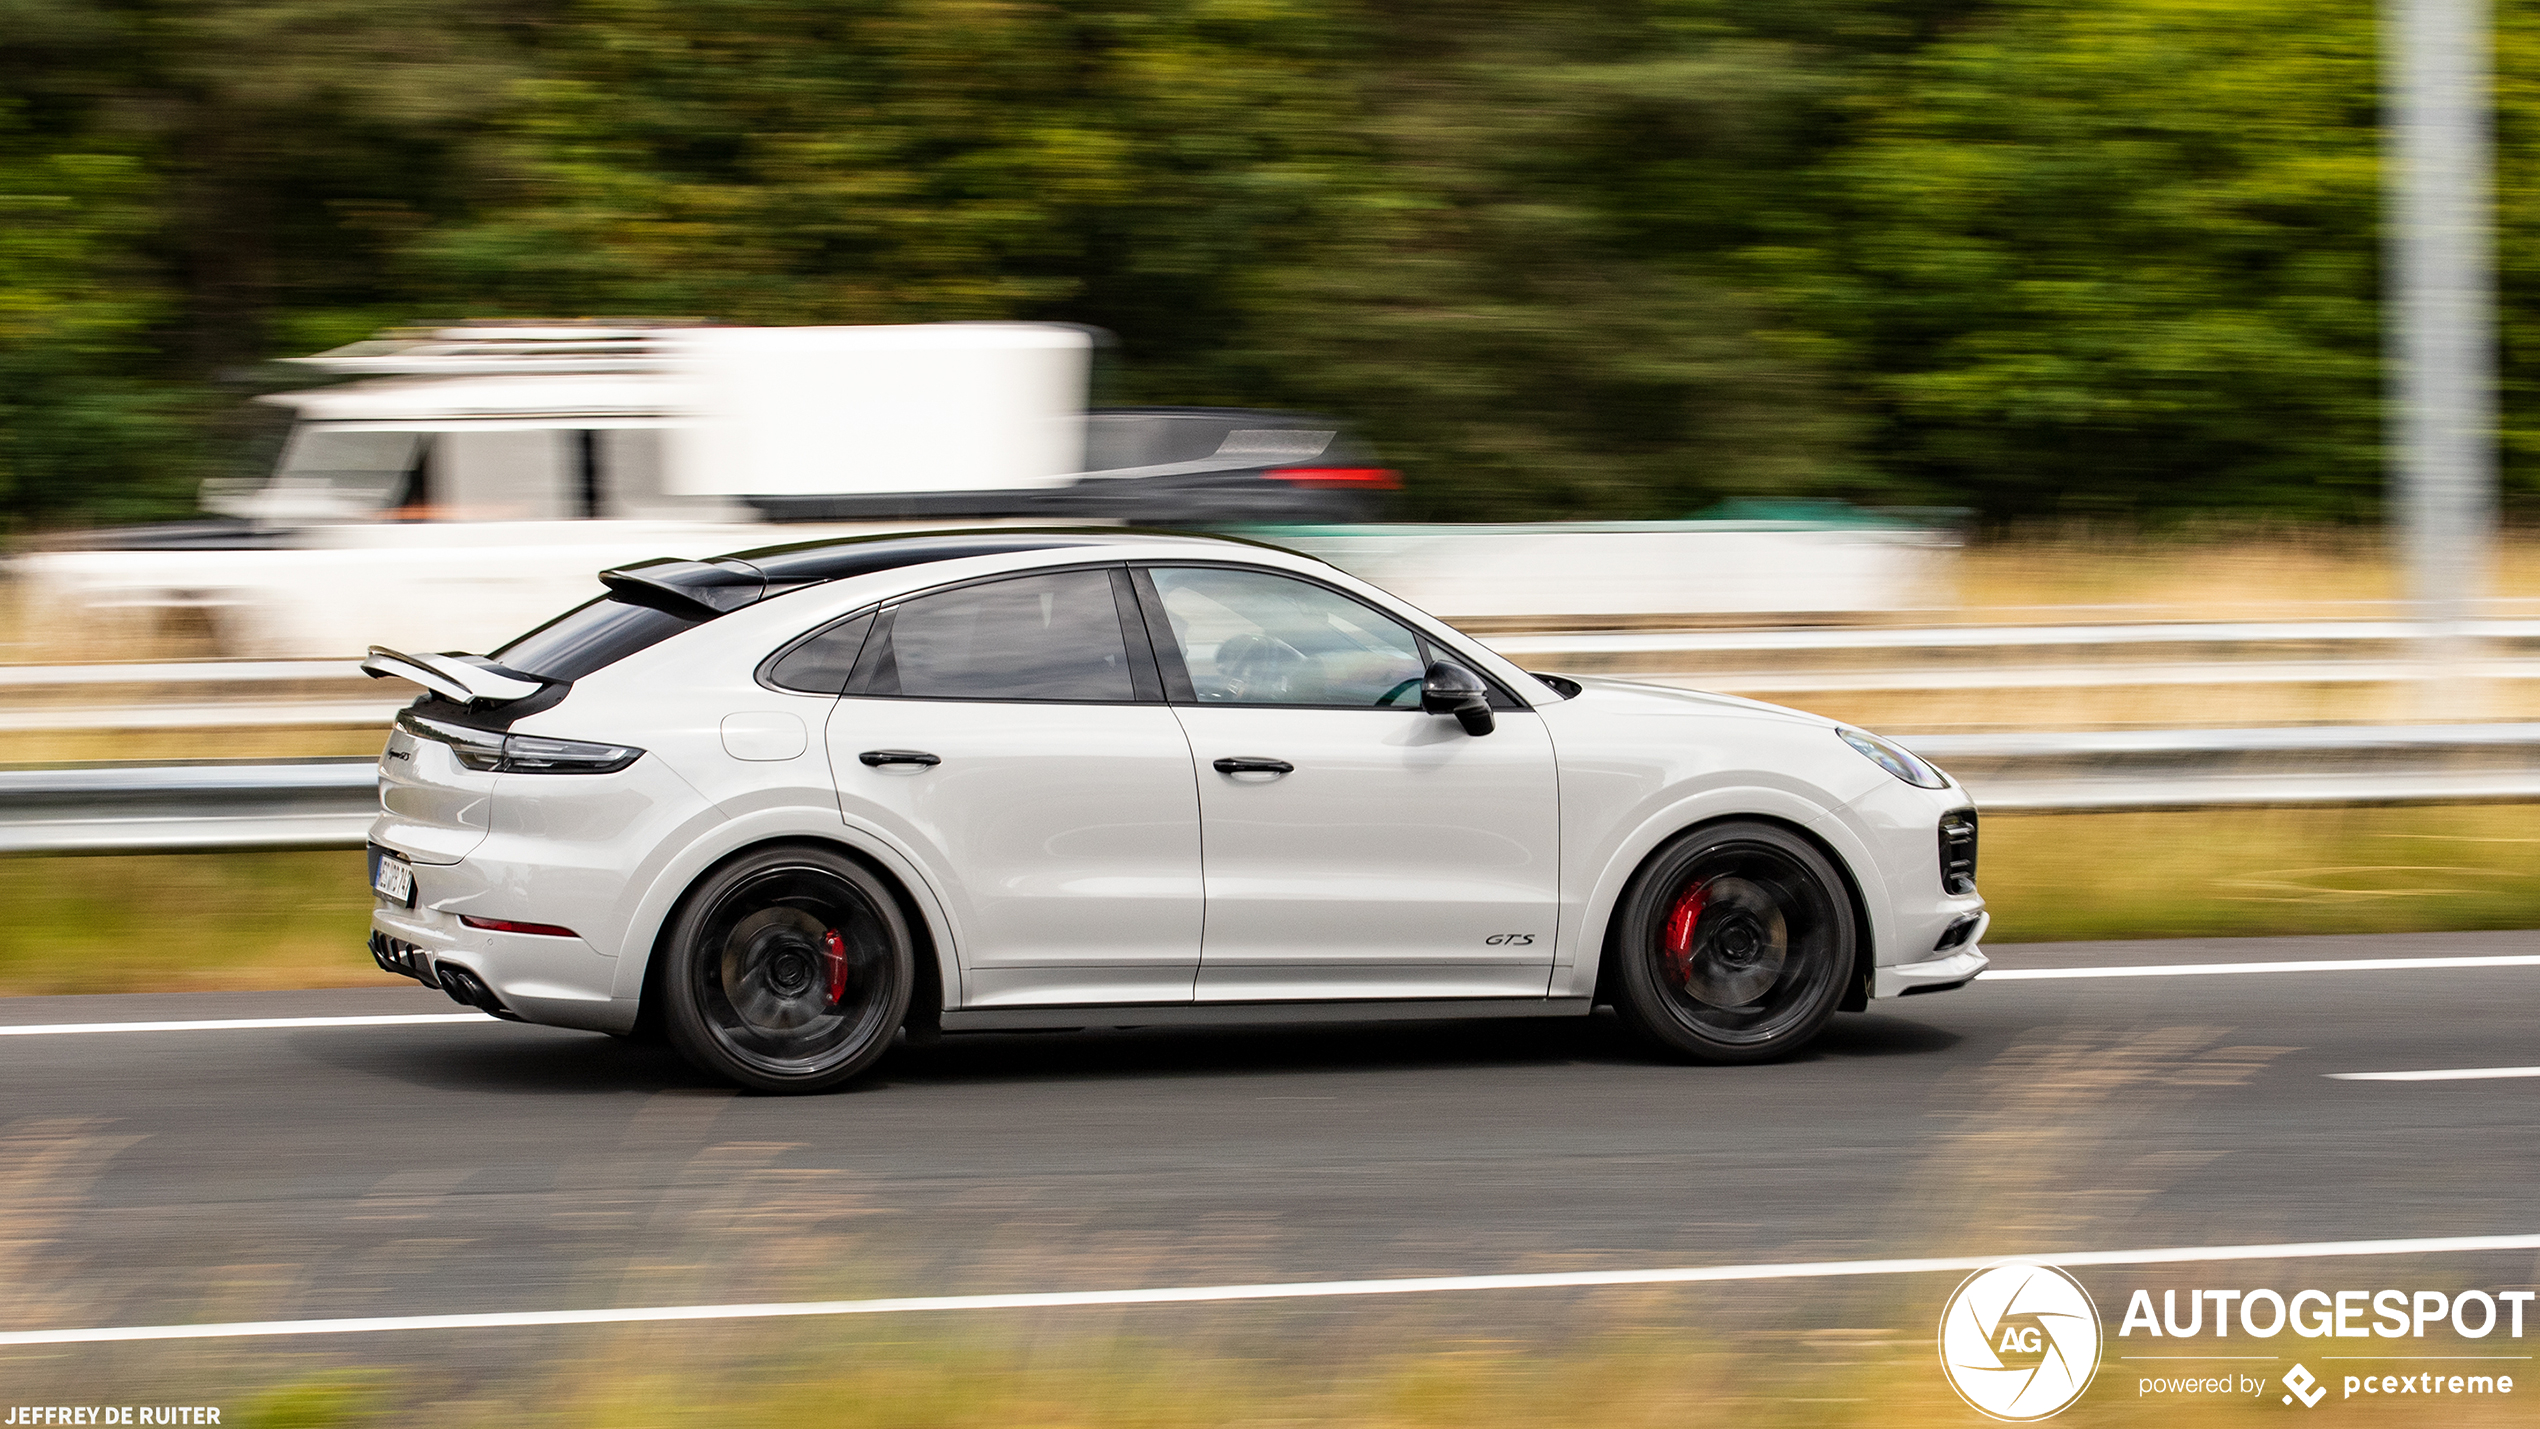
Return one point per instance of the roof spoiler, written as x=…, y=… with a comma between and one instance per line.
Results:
x=691, y=590
x=451, y=677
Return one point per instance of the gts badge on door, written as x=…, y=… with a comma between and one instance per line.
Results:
x=1510, y=940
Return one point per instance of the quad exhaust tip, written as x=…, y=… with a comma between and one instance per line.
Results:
x=464, y=987
x=468, y=990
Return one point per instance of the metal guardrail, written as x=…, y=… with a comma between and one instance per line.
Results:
x=180, y=672
x=242, y=715
x=328, y=803
x=192, y=694
x=1882, y=638
x=1997, y=637
x=318, y=803
x=331, y=693
x=2102, y=771
x=2001, y=657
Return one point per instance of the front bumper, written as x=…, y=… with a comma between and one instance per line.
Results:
x=1936, y=975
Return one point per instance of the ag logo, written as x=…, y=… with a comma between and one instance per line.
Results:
x=2020, y=1342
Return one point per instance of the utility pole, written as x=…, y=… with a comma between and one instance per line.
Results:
x=2440, y=306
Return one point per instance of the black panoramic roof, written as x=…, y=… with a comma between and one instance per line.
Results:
x=702, y=590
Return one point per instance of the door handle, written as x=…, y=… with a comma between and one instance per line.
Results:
x=876, y=758
x=1247, y=764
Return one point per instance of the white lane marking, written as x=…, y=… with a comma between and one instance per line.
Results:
x=2444, y=1074
x=241, y=1024
x=2318, y=965
x=1294, y=1290
x=1990, y=975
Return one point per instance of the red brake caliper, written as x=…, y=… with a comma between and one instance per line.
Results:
x=1680, y=921
x=835, y=948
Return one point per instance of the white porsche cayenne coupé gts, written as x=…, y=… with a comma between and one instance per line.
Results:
x=784, y=804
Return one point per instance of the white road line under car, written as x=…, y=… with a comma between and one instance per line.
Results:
x=2315, y=965
x=241, y=1024
x=2441, y=1074
x=1292, y=1290
x=1996, y=974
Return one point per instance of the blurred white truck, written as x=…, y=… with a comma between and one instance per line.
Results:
x=454, y=486
x=449, y=489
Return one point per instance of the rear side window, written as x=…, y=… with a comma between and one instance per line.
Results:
x=589, y=637
x=1047, y=637
x=821, y=664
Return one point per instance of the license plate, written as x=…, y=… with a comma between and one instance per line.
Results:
x=392, y=878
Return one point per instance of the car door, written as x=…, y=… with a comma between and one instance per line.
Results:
x=1012, y=735
x=1395, y=856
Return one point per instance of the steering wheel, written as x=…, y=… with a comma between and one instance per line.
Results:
x=1261, y=666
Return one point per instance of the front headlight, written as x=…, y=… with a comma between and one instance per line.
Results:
x=1895, y=758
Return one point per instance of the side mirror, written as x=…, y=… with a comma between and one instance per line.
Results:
x=1450, y=689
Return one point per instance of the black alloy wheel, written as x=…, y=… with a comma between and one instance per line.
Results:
x=1732, y=945
x=789, y=971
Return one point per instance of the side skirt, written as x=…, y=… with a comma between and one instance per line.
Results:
x=1256, y=1014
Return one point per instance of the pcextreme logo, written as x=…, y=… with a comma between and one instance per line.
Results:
x=2020, y=1342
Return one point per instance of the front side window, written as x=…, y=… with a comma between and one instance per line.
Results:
x=1047, y=637
x=1253, y=638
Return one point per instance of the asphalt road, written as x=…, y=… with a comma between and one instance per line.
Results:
x=157, y=1177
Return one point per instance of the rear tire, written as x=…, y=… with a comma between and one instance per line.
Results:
x=788, y=970
x=1732, y=944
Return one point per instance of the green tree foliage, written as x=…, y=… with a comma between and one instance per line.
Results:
x=1605, y=258
x=2116, y=257
x=84, y=427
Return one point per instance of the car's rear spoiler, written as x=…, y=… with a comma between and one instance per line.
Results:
x=691, y=590
x=451, y=677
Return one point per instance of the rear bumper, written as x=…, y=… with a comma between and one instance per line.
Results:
x=396, y=955
x=561, y=982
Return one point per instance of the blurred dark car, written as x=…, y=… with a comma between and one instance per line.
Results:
x=1167, y=466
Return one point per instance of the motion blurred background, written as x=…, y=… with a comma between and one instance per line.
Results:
x=2072, y=315
x=2115, y=261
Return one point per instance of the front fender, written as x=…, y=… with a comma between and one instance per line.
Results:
x=1588, y=916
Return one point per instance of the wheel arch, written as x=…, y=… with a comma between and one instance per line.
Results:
x=938, y=968
x=1865, y=943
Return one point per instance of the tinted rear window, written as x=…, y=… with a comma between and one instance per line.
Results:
x=1052, y=637
x=821, y=665
x=589, y=637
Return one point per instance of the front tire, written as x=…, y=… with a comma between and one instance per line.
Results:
x=788, y=970
x=1733, y=944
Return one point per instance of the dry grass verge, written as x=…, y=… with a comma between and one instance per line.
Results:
x=980, y=1376
x=164, y=922
x=187, y=922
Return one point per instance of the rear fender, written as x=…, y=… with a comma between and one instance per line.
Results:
x=664, y=888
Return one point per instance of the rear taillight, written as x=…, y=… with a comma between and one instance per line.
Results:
x=1371, y=478
x=532, y=754
x=476, y=749
x=1958, y=851
x=489, y=752
x=506, y=925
